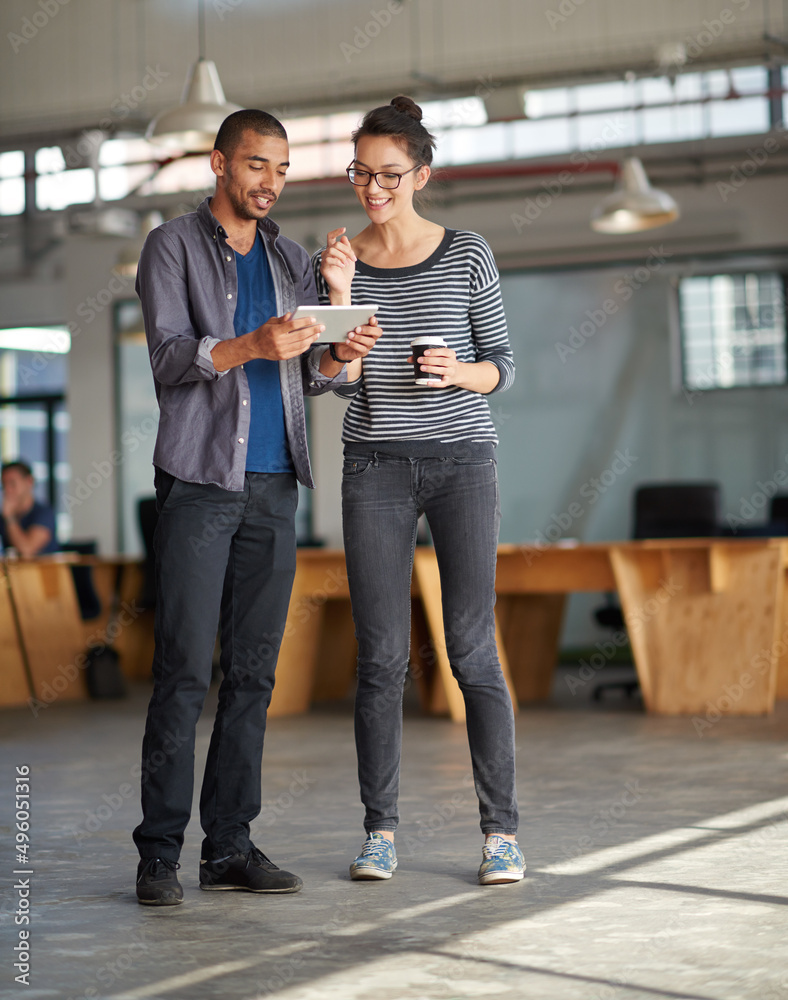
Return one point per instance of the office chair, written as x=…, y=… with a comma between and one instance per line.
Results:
x=663, y=510
x=778, y=514
x=88, y=600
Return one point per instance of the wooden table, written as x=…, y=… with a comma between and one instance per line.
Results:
x=48, y=633
x=707, y=618
x=318, y=654
x=43, y=636
x=15, y=682
x=707, y=621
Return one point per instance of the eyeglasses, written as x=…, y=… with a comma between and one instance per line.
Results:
x=384, y=179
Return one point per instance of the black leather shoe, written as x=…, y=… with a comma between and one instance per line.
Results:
x=157, y=883
x=252, y=872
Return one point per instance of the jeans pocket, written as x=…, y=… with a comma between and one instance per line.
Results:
x=479, y=462
x=163, y=484
x=354, y=468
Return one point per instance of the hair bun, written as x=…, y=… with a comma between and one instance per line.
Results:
x=407, y=106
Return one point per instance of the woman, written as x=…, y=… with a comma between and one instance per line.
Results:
x=412, y=449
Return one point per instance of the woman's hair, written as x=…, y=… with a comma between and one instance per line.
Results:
x=401, y=120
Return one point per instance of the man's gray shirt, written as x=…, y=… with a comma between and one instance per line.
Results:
x=188, y=286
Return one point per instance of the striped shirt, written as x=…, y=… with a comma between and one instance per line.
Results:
x=454, y=294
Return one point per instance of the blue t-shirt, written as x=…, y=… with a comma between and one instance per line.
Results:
x=39, y=513
x=268, y=450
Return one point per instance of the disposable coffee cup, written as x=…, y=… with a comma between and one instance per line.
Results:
x=418, y=347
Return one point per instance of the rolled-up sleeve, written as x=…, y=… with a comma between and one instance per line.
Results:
x=177, y=353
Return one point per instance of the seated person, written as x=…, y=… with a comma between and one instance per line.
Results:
x=25, y=524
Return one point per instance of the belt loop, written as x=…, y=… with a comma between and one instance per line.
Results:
x=375, y=462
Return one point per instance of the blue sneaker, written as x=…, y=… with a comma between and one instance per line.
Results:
x=378, y=859
x=503, y=861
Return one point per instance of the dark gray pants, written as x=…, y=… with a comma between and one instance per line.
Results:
x=222, y=558
x=382, y=498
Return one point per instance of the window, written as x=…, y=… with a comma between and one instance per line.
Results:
x=58, y=187
x=12, y=183
x=733, y=330
x=558, y=121
x=34, y=421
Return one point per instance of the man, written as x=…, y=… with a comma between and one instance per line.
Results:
x=231, y=445
x=26, y=525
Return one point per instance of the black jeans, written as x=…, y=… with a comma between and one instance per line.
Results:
x=382, y=497
x=220, y=557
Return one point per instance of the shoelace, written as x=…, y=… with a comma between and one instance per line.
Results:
x=256, y=856
x=497, y=851
x=375, y=848
x=155, y=863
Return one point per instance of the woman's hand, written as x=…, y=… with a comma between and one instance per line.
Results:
x=360, y=341
x=477, y=376
x=338, y=266
x=441, y=362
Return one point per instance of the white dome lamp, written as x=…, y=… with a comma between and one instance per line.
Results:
x=635, y=205
x=193, y=124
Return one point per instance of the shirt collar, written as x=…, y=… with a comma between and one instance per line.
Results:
x=266, y=227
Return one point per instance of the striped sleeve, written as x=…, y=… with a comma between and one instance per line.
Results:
x=488, y=320
x=347, y=389
x=455, y=294
x=322, y=287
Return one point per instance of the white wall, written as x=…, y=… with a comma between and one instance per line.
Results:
x=564, y=421
x=90, y=288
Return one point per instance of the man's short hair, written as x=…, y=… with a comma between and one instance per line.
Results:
x=19, y=465
x=232, y=129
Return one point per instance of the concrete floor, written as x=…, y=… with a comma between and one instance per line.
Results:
x=657, y=865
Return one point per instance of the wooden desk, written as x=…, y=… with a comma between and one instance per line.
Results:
x=40, y=622
x=707, y=620
x=705, y=617
x=317, y=658
x=49, y=628
x=15, y=686
x=132, y=634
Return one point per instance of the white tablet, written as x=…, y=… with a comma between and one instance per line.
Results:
x=337, y=320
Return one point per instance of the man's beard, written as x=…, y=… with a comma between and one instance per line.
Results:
x=241, y=207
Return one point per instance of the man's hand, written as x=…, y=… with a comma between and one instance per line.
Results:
x=282, y=337
x=277, y=340
x=338, y=266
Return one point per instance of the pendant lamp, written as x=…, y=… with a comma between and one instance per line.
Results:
x=635, y=205
x=193, y=124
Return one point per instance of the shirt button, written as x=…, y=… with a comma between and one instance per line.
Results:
x=228, y=258
x=229, y=295
x=244, y=402
x=240, y=440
